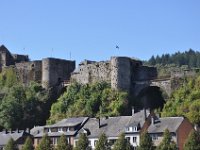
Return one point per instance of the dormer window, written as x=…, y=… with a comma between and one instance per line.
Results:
x=127, y=129
x=49, y=130
x=60, y=129
x=135, y=129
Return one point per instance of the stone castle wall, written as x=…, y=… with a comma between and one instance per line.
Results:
x=91, y=71
x=120, y=73
x=49, y=72
x=144, y=73
x=6, y=58
x=55, y=71
x=20, y=58
x=29, y=71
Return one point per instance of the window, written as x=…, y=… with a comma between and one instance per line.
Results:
x=49, y=130
x=76, y=142
x=128, y=139
x=54, y=141
x=89, y=143
x=135, y=129
x=112, y=141
x=154, y=137
x=127, y=129
x=95, y=142
x=134, y=139
x=60, y=130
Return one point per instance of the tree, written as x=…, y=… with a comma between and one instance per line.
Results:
x=83, y=143
x=145, y=142
x=102, y=143
x=85, y=100
x=11, y=145
x=193, y=141
x=28, y=145
x=63, y=144
x=167, y=143
x=122, y=143
x=45, y=143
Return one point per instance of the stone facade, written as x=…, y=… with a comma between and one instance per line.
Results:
x=50, y=72
x=55, y=71
x=121, y=72
x=91, y=71
x=29, y=71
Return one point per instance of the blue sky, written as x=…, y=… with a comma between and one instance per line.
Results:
x=90, y=29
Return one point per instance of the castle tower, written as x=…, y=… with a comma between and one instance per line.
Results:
x=55, y=71
x=6, y=58
x=121, y=73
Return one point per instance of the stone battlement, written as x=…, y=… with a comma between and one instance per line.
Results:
x=121, y=72
x=49, y=72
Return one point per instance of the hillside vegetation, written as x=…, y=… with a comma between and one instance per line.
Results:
x=20, y=106
x=89, y=100
x=185, y=101
x=190, y=58
x=167, y=63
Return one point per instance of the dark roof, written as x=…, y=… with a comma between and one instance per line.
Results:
x=56, y=134
x=6, y=136
x=4, y=49
x=170, y=123
x=113, y=126
x=36, y=130
x=69, y=122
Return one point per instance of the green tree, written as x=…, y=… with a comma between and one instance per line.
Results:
x=63, y=144
x=122, y=143
x=83, y=143
x=45, y=143
x=167, y=143
x=102, y=143
x=28, y=105
x=11, y=145
x=185, y=101
x=85, y=100
x=28, y=145
x=193, y=141
x=145, y=142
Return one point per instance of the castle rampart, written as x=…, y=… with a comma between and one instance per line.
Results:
x=49, y=72
x=121, y=73
x=91, y=71
x=29, y=71
x=55, y=71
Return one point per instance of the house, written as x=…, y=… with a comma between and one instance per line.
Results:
x=113, y=127
x=179, y=128
x=68, y=127
x=19, y=136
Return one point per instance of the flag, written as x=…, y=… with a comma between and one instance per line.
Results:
x=117, y=46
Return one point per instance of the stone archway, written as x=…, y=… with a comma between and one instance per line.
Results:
x=150, y=97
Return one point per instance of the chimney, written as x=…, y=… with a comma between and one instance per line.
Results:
x=152, y=120
x=133, y=111
x=27, y=130
x=5, y=131
x=145, y=114
x=99, y=119
x=17, y=130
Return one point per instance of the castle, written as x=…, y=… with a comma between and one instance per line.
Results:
x=123, y=73
x=50, y=72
